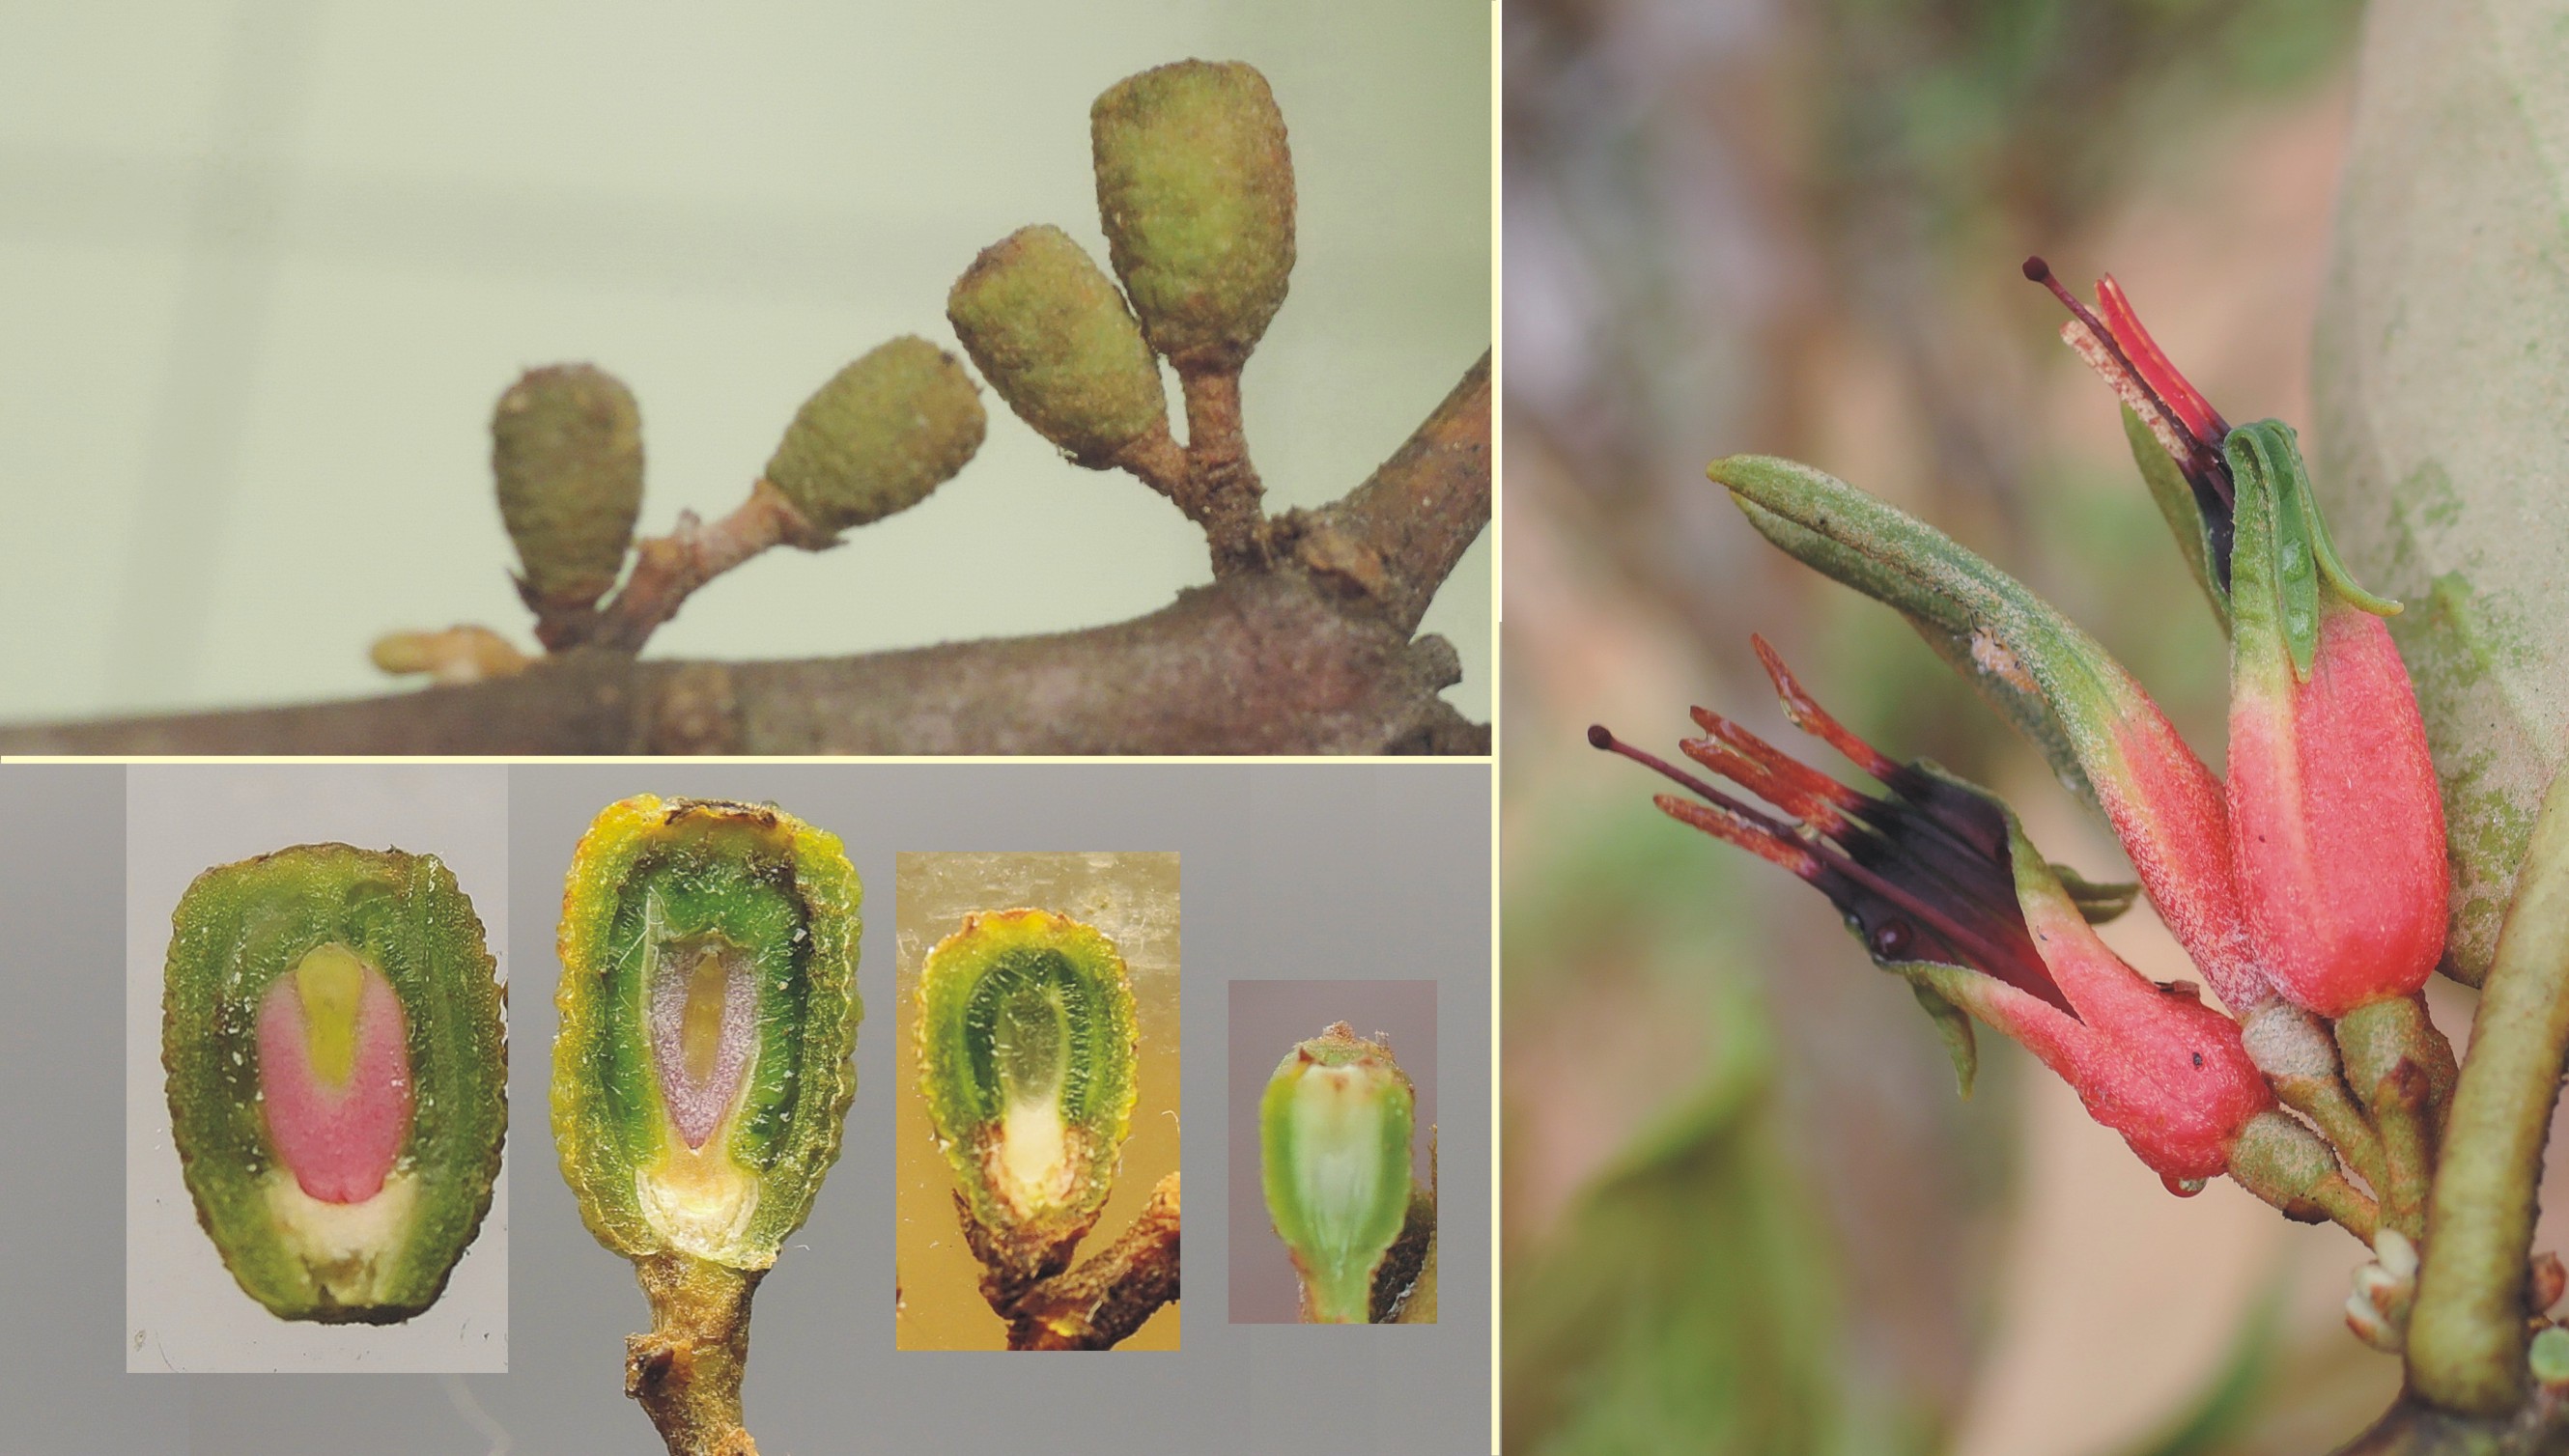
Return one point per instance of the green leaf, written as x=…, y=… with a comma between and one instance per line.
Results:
x=1686, y=1303
x=2442, y=342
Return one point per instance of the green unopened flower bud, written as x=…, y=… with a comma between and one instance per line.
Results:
x=1028, y=1059
x=1053, y=335
x=337, y=1076
x=880, y=435
x=1195, y=186
x=2547, y=1358
x=566, y=447
x=1334, y=1135
x=2283, y=1163
x=708, y=1012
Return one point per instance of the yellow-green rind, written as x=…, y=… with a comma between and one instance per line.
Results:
x=567, y=450
x=236, y=930
x=599, y=1081
x=965, y=1109
x=883, y=433
x=1195, y=186
x=1337, y=1281
x=1054, y=336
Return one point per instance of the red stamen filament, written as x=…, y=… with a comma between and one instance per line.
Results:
x=2204, y=455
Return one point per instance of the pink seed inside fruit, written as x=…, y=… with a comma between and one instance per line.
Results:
x=336, y=1128
x=703, y=1011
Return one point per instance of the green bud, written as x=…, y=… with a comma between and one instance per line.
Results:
x=1027, y=1058
x=709, y=1008
x=1195, y=186
x=566, y=447
x=337, y=1076
x=1333, y=1135
x=1054, y=336
x=2281, y=1162
x=2547, y=1358
x=880, y=435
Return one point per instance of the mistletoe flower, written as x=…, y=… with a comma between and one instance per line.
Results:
x=2337, y=827
x=1940, y=883
x=2101, y=731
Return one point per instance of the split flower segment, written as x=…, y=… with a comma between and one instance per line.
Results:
x=2309, y=887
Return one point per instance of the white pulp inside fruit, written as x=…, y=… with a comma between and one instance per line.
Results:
x=697, y=1198
x=1031, y=1164
x=349, y=1249
x=1337, y=1153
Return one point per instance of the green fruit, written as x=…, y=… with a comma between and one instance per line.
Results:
x=337, y=1076
x=1027, y=1057
x=709, y=1009
x=566, y=446
x=880, y=435
x=1334, y=1138
x=1195, y=186
x=1054, y=336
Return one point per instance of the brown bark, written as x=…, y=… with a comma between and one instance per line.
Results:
x=1102, y=1302
x=1396, y=537
x=686, y=1372
x=1222, y=491
x=1313, y=655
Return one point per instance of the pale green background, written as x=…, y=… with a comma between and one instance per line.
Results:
x=264, y=266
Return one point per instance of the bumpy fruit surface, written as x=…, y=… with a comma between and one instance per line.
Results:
x=1195, y=186
x=1027, y=1061
x=337, y=1073
x=1054, y=337
x=880, y=435
x=709, y=1009
x=566, y=448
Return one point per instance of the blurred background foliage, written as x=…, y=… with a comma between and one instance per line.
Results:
x=1744, y=1211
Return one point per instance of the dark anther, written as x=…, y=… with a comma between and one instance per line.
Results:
x=1893, y=940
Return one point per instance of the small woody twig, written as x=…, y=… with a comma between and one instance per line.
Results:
x=1100, y=1302
x=686, y=1372
x=669, y=569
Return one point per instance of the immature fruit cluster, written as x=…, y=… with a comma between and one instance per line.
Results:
x=1194, y=189
x=337, y=1070
x=883, y=433
x=566, y=447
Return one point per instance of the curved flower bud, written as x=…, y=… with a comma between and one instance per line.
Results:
x=1940, y=883
x=2054, y=680
x=2338, y=827
x=337, y=1073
